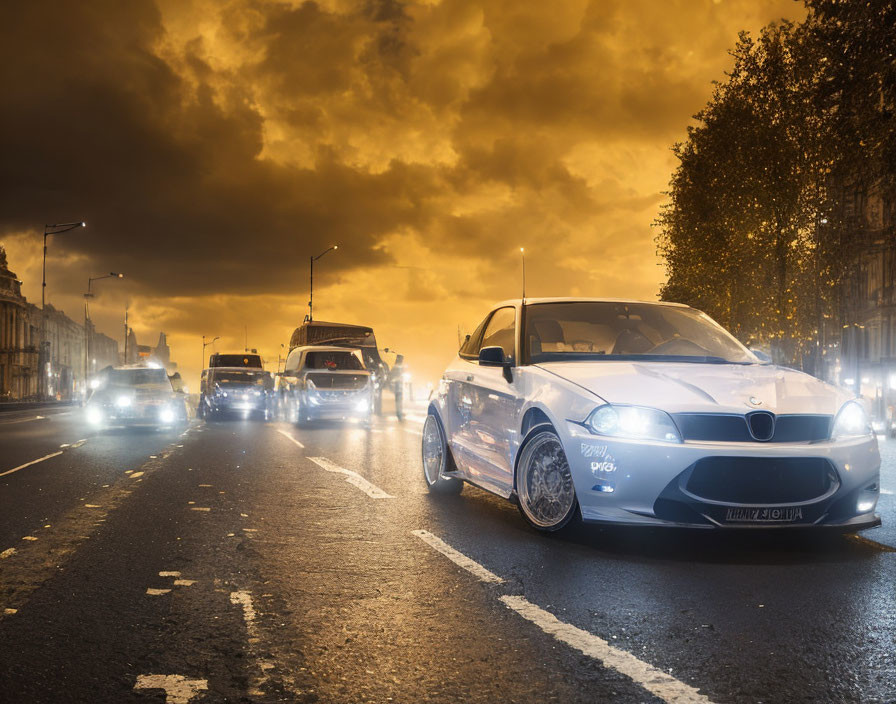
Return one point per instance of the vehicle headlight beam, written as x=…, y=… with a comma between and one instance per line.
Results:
x=635, y=422
x=851, y=422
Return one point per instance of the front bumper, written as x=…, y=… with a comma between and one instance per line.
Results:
x=725, y=485
x=137, y=415
x=337, y=405
x=237, y=402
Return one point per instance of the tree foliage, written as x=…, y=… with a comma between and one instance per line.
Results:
x=761, y=229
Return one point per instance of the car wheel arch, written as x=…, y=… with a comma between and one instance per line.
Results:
x=535, y=419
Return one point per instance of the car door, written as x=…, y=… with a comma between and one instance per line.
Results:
x=494, y=405
x=458, y=403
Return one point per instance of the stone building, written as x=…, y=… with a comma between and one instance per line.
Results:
x=18, y=338
x=20, y=333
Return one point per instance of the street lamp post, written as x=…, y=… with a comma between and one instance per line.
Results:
x=311, y=287
x=204, y=345
x=87, y=297
x=43, y=356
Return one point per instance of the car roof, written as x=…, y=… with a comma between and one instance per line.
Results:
x=131, y=367
x=326, y=348
x=577, y=299
x=253, y=370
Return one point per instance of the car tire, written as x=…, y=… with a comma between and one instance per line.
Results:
x=546, y=494
x=436, y=459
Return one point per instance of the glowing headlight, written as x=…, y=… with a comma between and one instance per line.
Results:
x=851, y=422
x=633, y=422
x=123, y=401
x=166, y=415
x=94, y=415
x=361, y=406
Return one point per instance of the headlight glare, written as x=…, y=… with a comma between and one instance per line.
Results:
x=94, y=415
x=633, y=422
x=851, y=421
x=123, y=401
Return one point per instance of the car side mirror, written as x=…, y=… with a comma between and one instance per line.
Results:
x=494, y=357
x=762, y=356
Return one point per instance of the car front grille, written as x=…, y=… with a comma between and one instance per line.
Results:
x=761, y=480
x=719, y=427
x=338, y=381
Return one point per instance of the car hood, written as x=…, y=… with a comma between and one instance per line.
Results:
x=708, y=388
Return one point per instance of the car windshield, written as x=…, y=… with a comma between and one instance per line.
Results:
x=579, y=330
x=238, y=377
x=130, y=378
x=333, y=360
x=237, y=360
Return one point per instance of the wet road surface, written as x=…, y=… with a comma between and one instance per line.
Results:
x=259, y=562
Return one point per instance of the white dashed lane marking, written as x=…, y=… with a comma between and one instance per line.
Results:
x=645, y=675
x=353, y=478
x=458, y=558
x=287, y=435
x=28, y=464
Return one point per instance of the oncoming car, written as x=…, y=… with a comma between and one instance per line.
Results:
x=135, y=396
x=235, y=390
x=331, y=383
x=636, y=413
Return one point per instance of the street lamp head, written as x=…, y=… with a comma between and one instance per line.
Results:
x=335, y=246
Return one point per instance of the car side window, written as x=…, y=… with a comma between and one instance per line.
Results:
x=501, y=331
x=470, y=348
x=292, y=361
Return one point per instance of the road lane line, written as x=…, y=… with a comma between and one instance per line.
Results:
x=243, y=599
x=458, y=558
x=647, y=676
x=287, y=435
x=353, y=478
x=654, y=680
x=28, y=464
x=21, y=420
x=9, y=552
x=157, y=592
x=178, y=689
x=886, y=492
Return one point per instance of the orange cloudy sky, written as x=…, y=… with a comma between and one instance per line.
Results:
x=212, y=146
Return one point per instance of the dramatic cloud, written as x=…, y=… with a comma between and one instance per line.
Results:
x=214, y=146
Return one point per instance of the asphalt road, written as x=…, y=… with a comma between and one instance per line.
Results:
x=258, y=562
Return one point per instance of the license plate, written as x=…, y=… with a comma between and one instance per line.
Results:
x=783, y=514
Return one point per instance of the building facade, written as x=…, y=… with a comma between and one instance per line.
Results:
x=65, y=346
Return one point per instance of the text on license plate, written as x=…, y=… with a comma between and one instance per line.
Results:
x=784, y=514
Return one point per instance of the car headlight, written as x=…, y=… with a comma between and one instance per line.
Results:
x=94, y=415
x=851, y=422
x=633, y=422
x=166, y=415
x=362, y=406
x=123, y=401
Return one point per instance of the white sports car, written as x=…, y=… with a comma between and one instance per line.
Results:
x=641, y=413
